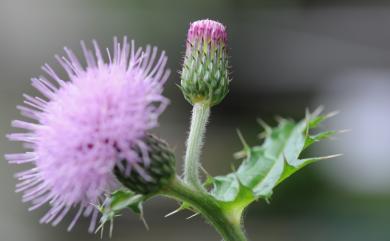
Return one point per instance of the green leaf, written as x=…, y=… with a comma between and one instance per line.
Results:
x=226, y=188
x=301, y=163
x=277, y=158
x=232, y=195
x=259, y=172
x=264, y=165
x=311, y=139
x=316, y=118
x=115, y=203
x=122, y=199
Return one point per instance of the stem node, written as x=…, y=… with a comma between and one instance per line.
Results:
x=228, y=226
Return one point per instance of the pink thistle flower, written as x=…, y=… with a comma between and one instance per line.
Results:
x=87, y=125
x=208, y=31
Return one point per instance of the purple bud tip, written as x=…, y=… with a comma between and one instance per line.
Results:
x=207, y=30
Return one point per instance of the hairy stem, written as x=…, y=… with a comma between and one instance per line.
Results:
x=200, y=115
x=227, y=224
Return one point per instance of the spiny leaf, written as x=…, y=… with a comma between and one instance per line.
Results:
x=301, y=163
x=122, y=199
x=231, y=193
x=115, y=203
x=278, y=157
x=262, y=169
x=259, y=172
x=311, y=139
x=226, y=188
x=316, y=118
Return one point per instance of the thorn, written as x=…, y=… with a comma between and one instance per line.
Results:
x=344, y=131
x=144, y=221
x=243, y=142
x=278, y=118
x=173, y=212
x=111, y=227
x=331, y=114
x=102, y=232
x=263, y=124
x=233, y=168
x=179, y=86
x=100, y=228
x=317, y=111
x=322, y=157
x=262, y=135
x=307, y=121
x=209, y=178
x=307, y=112
x=332, y=156
x=239, y=155
x=205, y=171
x=192, y=216
x=268, y=199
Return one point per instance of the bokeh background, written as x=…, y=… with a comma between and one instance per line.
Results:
x=286, y=56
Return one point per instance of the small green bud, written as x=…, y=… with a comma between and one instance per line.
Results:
x=205, y=73
x=154, y=176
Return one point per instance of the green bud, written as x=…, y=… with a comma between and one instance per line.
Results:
x=154, y=176
x=205, y=73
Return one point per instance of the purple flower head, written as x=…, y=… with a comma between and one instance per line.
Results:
x=207, y=31
x=87, y=125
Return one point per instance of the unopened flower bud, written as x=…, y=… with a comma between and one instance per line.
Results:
x=205, y=73
x=149, y=177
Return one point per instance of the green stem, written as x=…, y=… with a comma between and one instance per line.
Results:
x=200, y=115
x=226, y=223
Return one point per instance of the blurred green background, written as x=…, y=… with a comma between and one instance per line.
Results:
x=286, y=56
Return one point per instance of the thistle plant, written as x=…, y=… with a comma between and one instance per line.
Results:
x=90, y=147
